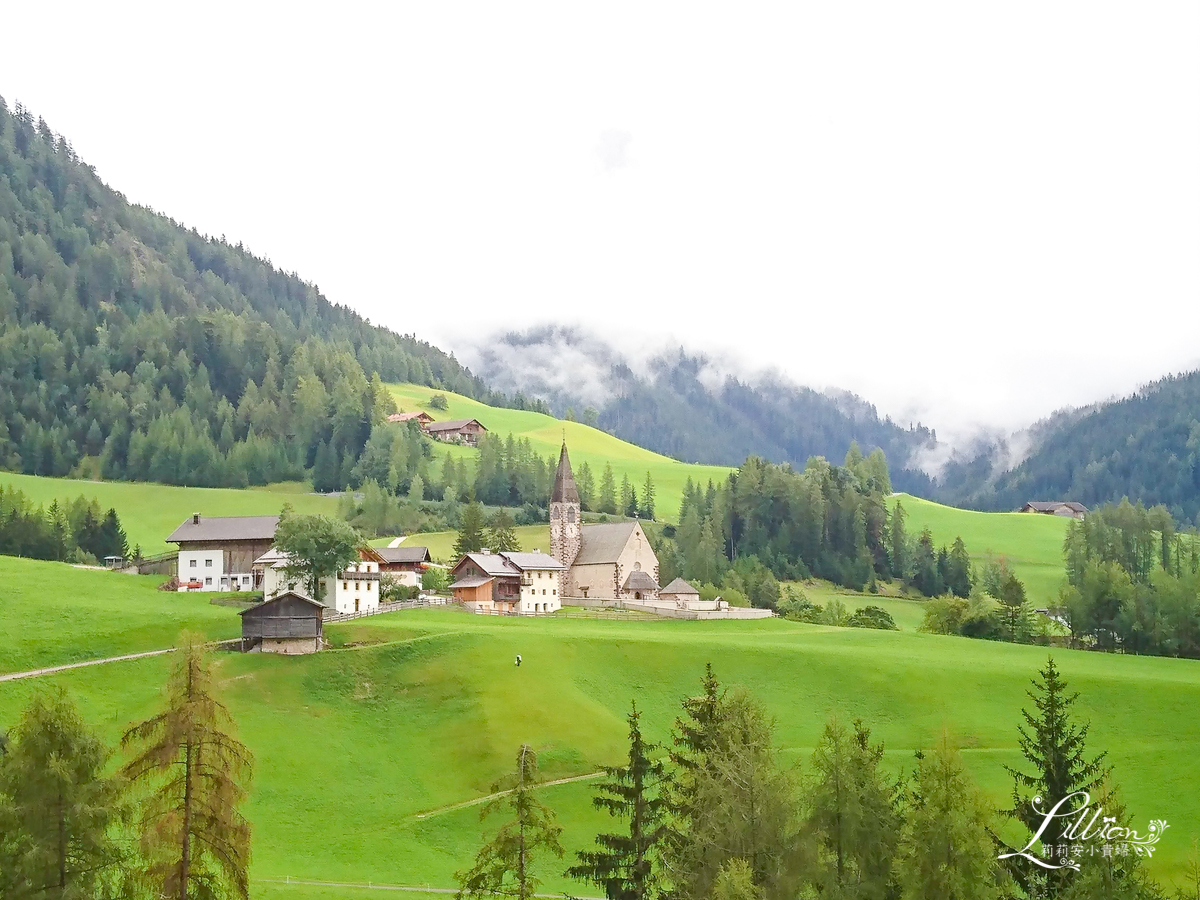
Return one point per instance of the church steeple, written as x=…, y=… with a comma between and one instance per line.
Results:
x=565, y=490
x=566, y=518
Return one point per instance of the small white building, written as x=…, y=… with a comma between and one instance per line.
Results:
x=354, y=589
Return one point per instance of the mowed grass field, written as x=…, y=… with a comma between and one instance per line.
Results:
x=585, y=444
x=1031, y=543
x=149, y=512
x=362, y=752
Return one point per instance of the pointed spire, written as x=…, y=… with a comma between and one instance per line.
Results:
x=565, y=490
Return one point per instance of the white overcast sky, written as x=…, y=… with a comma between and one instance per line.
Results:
x=965, y=212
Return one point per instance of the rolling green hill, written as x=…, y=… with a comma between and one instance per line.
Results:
x=1031, y=543
x=149, y=512
x=359, y=751
x=586, y=444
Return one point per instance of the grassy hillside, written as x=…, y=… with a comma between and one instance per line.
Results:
x=441, y=543
x=431, y=715
x=1031, y=543
x=150, y=512
x=585, y=444
x=52, y=614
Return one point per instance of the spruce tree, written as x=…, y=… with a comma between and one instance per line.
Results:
x=504, y=865
x=1056, y=748
x=607, y=502
x=628, y=497
x=631, y=508
x=625, y=866
x=471, y=530
x=57, y=805
x=501, y=534
x=193, y=773
x=646, y=508
x=899, y=548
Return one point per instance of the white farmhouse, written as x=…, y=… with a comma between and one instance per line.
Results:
x=217, y=553
x=354, y=589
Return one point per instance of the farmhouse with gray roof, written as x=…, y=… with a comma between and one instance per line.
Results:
x=1056, y=508
x=217, y=553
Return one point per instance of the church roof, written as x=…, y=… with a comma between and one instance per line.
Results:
x=604, y=543
x=640, y=581
x=679, y=586
x=565, y=490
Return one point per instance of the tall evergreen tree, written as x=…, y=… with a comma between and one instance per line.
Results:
x=628, y=498
x=193, y=773
x=501, y=534
x=504, y=865
x=899, y=542
x=1055, y=747
x=625, y=866
x=646, y=507
x=57, y=805
x=586, y=482
x=471, y=531
x=607, y=502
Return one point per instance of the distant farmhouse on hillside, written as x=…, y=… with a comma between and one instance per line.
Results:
x=405, y=565
x=1056, y=508
x=457, y=431
x=217, y=553
x=424, y=419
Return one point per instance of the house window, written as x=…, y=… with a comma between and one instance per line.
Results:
x=555, y=592
x=191, y=564
x=368, y=585
x=208, y=563
x=208, y=580
x=543, y=592
x=345, y=586
x=358, y=585
x=245, y=579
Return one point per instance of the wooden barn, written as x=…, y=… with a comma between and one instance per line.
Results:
x=289, y=623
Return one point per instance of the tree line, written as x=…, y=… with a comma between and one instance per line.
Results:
x=76, y=531
x=718, y=814
x=769, y=523
x=134, y=348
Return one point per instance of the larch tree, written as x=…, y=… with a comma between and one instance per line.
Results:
x=193, y=775
x=948, y=848
x=57, y=806
x=504, y=865
x=625, y=865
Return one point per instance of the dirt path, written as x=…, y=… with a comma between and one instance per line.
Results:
x=479, y=800
x=50, y=670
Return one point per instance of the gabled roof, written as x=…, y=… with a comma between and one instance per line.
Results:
x=604, y=543
x=226, y=528
x=1051, y=505
x=536, y=560
x=491, y=563
x=412, y=554
x=679, y=586
x=276, y=600
x=453, y=425
x=564, y=490
x=639, y=580
x=408, y=416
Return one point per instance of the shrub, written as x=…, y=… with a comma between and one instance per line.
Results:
x=872, y=617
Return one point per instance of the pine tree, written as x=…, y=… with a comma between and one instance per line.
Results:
x=625, y=866
x=471, y=531
x=899, y=554
x=504, y=865
x=56, y=806
x=195, y=842
x=325, y=473
x=646, y=507
x=608, y=492
x=949, y=852
x=1055, y=747
x=501, y=535
x=1014, y=608
x=628, y=498
x=586, y=482
x=111, y=540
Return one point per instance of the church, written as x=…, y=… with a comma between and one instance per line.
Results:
x=608, y=561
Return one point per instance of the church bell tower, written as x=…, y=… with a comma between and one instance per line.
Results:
x=566, y=518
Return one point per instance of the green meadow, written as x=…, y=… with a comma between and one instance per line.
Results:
x=1031, y=543
x=149, y=512
x=586, y=444
x=364, y=753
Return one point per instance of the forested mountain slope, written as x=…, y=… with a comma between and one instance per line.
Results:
x=133, y=347
x=1145, y=447
x=682, y=405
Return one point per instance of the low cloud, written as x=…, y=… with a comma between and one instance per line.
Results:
x=612, y=149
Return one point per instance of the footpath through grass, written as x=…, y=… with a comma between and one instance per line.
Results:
x=429, y=710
